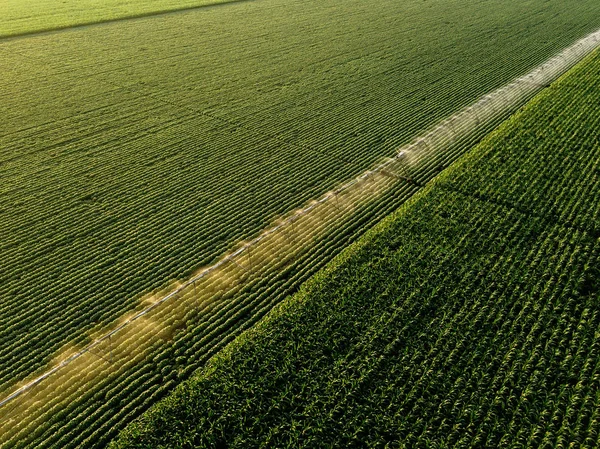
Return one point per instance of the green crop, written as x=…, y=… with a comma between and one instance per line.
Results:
x=21, y=17
x=468, y=318
x=135, y=152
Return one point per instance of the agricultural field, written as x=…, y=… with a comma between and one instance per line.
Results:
x=21, y=17
x=137, y=151
x=467, y=318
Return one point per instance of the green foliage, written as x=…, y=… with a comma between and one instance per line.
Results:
x=20, y=17
x=132, y=156
x=468, y=318
x=137, y=151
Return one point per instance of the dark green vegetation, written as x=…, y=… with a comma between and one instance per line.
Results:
x=468, y=318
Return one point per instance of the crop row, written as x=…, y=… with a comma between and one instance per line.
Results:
x=222, y=324
x=122, y=177
x=208, y=329
x=25, y=17
x=567, y=194
x=215, y=325
x=119, y=177
x=461, y=320
x=230, y=212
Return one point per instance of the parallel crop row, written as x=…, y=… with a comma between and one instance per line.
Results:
x=468, y=318
x=212, y=313
x=567, y=194
x=239, y=299
x=208, y=328
x=132, y=155
x=21, y=17
x=119, y=177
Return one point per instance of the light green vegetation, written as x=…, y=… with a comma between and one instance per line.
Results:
x=19, y=17
x=468, y=318
x=137, y=151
